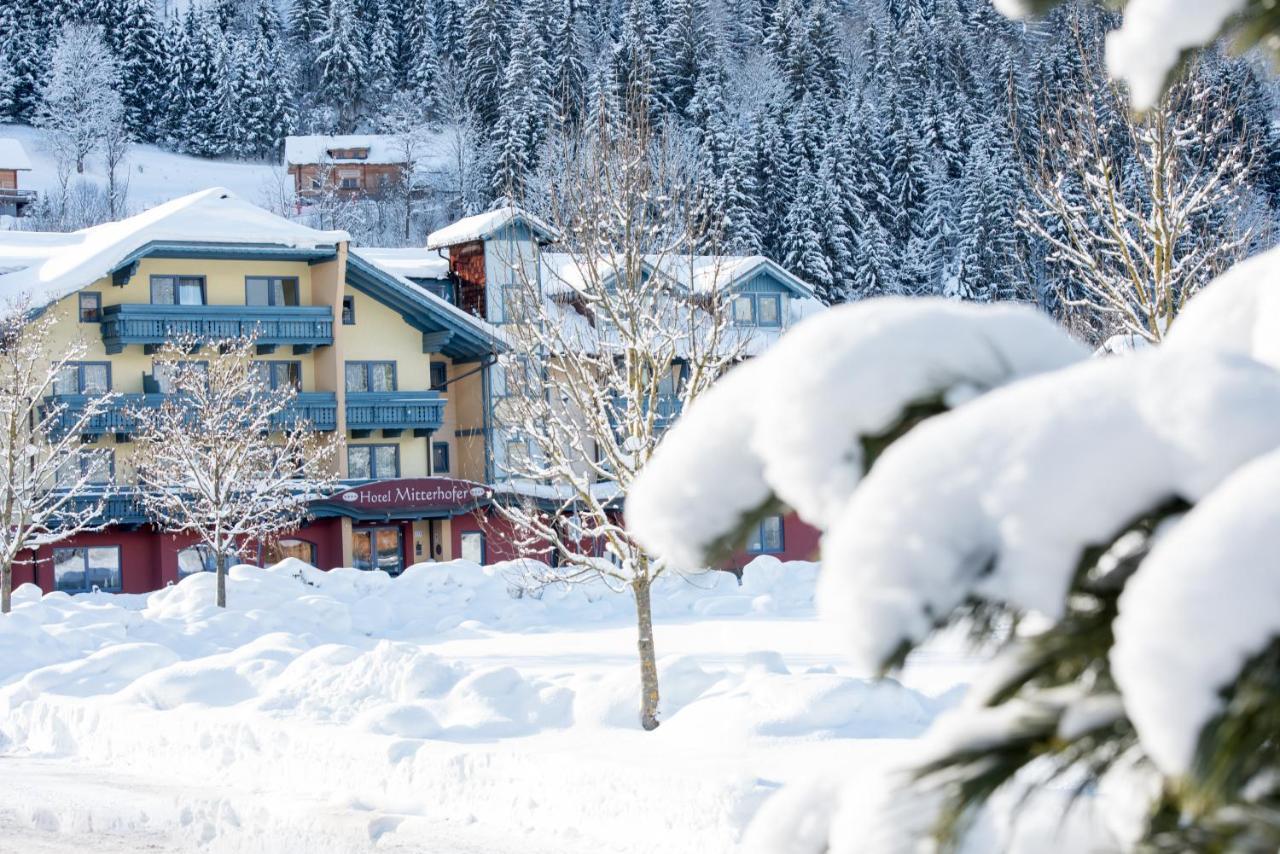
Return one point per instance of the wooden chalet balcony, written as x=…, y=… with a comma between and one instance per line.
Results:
x=318, y=407
x=120, y=506
x=392, y=412
x=305, y=327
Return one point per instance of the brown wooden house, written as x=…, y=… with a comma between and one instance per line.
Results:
x=350, y=165
x=14, y=200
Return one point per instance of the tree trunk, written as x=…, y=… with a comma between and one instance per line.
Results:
x=6, y=588
x=648, y=660
x=221, y=561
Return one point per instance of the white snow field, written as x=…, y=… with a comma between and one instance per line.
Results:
x=153, y=174
x=438, y=711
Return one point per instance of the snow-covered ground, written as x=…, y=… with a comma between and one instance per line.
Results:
x=435, y=712
x=154, y=175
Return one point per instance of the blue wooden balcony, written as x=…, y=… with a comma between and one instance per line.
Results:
x=318, y=407
x=120, y=506
x=394, y=411
x=305, y=327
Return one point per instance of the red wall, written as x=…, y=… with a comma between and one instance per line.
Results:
x=799, y=542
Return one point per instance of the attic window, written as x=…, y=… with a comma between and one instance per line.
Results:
x=348, y=153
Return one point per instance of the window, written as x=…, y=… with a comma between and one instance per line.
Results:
x=442, y=288
x=80, y=570
x=270, y=290
x=744, y=312
x=440, y=458
x=373, y=462
x=95, y=465
x=166, y=374
x=302, y=550
x=83, y=378
x=766, y=538
x=517, y=455
x=349, y=180
x=348, y=311
x=280, y=374
x=512, y=303
x=90, y=307
x=177, y=290
x=371, y=376
x=201, y=558
x=769, y=310
x=472, y=546
x=439, y=376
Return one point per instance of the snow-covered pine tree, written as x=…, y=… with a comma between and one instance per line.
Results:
x=683, y=48
x=527, y=110
x=340, y=57
x=488, y=25
x=568, y=71
x=141, y=69
x=380, y=63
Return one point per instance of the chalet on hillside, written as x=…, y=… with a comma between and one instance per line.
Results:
x=352, y=165
x=13, y=159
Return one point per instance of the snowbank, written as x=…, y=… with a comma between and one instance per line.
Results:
x=1185, y=631
x=837, y=378
x=1238, y=312
x=336, y=687
x=998, y=499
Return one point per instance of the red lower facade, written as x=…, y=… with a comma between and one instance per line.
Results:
x=139, y=559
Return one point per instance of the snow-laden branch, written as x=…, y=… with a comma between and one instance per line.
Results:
x=51, y=483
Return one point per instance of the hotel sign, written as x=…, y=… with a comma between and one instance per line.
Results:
x=409, y=495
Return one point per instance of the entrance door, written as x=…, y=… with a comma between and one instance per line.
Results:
x=378, y=548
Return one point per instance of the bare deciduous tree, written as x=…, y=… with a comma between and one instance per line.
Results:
x=1132, y=246
x=49, y=487
x=609, y=341
x=227, y=457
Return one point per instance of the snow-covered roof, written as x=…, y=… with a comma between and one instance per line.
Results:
x=13, y=155
x=483, y=225
x=48, y=266
x=412, y=263
x=699, y=273
x=318, y=148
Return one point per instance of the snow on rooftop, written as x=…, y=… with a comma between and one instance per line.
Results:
x=699, y=273
x=47, y=266
x=412, y=263
x=13, y=155
x=317, y=148
x=483, y=225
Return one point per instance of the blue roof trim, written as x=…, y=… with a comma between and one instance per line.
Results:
x=424, y=311
x=229, y=251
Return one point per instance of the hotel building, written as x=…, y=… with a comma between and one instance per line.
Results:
x=396, y=349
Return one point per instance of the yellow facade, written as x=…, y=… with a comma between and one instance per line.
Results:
x=378, y=334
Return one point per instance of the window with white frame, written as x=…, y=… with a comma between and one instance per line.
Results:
x=373, y=462
x=83, y=378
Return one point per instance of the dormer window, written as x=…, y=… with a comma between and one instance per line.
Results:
x=348, y=153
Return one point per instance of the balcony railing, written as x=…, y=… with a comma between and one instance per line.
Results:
x=392, y=411
x=303, y=326
x=318, y=407
x=120, y=506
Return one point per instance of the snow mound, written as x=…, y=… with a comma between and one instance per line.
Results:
x=838, y=377
x=999, y=498
x=1238, y=312
x=1182, y=633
